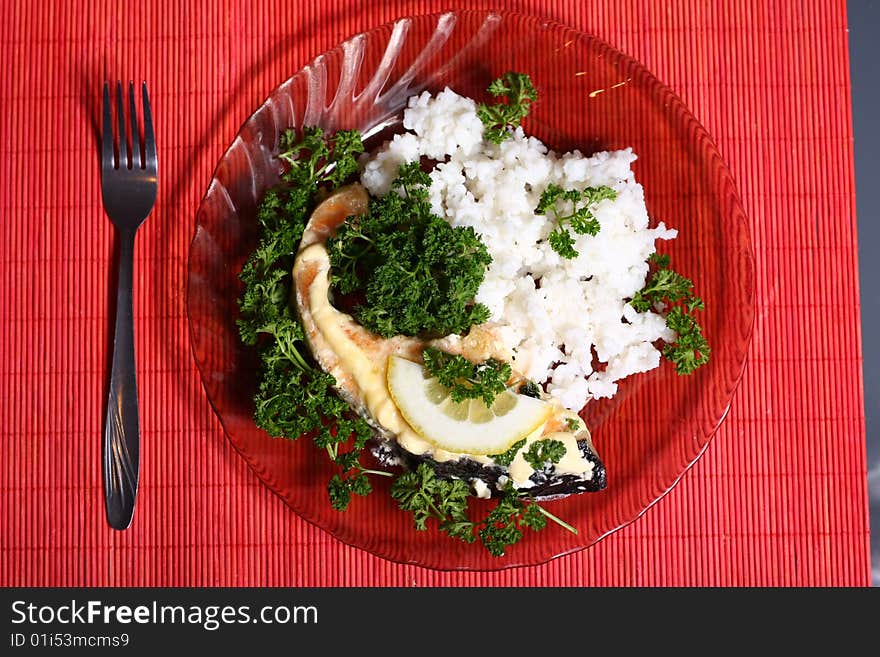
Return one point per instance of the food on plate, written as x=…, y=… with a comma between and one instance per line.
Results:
x=450, y=301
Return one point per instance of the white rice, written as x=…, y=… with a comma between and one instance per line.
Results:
x=552, y=313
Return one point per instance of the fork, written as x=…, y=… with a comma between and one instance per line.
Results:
x=128, y=186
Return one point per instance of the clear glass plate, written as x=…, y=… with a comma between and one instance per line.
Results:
x=592, y=97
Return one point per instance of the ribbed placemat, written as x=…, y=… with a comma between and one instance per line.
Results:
x=780, y=496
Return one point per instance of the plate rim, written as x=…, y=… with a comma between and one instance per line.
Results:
x=730, y=192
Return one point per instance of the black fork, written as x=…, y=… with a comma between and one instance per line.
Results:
x=128, y=186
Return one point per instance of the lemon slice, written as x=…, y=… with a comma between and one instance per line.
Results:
x=468, y=427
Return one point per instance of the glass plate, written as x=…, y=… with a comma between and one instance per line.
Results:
x=592, y=97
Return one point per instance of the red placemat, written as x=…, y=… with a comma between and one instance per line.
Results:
x=779, y=498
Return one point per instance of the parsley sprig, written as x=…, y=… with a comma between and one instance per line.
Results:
x=467, y=380
x=427, y=496
x=690, y=350
x=506, y=458
x=500, y=119
x=543, y=452
x=294, y=397
x=418, y=274
x=503, y=526
x=329, y=161
x=580, y=205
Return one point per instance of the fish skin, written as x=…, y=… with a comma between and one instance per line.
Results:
x=547, y=485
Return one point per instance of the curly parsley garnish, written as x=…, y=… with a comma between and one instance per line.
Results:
x=467, y=380
x=501, y=118
x=544, y=452
x=426, y=496
x=579, y=206
x=506, y=458
x=690, y=349
x=293, y=396
x=418, y=274
x=503, y=526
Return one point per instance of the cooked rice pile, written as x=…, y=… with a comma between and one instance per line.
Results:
x=552, y=313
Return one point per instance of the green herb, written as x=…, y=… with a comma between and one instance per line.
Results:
x=507, y=457
x=562, y=242
x=659, y=259
x=690, y=349
x=572, y=424
x=341, y=489
x=426, y=496
x=313, y=159
x=501, y=118
x=502, y=527
x=419, y=275
x=294, y=397
x=467, y=380
x=665, y=286
x=542, y=452
x=579, y=206
x=281, y=218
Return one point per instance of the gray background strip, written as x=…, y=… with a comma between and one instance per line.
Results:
x=864, y=47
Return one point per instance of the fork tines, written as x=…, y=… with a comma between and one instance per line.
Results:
x=122, y=148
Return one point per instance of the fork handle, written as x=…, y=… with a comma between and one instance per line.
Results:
x=121, y=452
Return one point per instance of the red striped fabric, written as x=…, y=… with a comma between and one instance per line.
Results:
x=779, y=498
